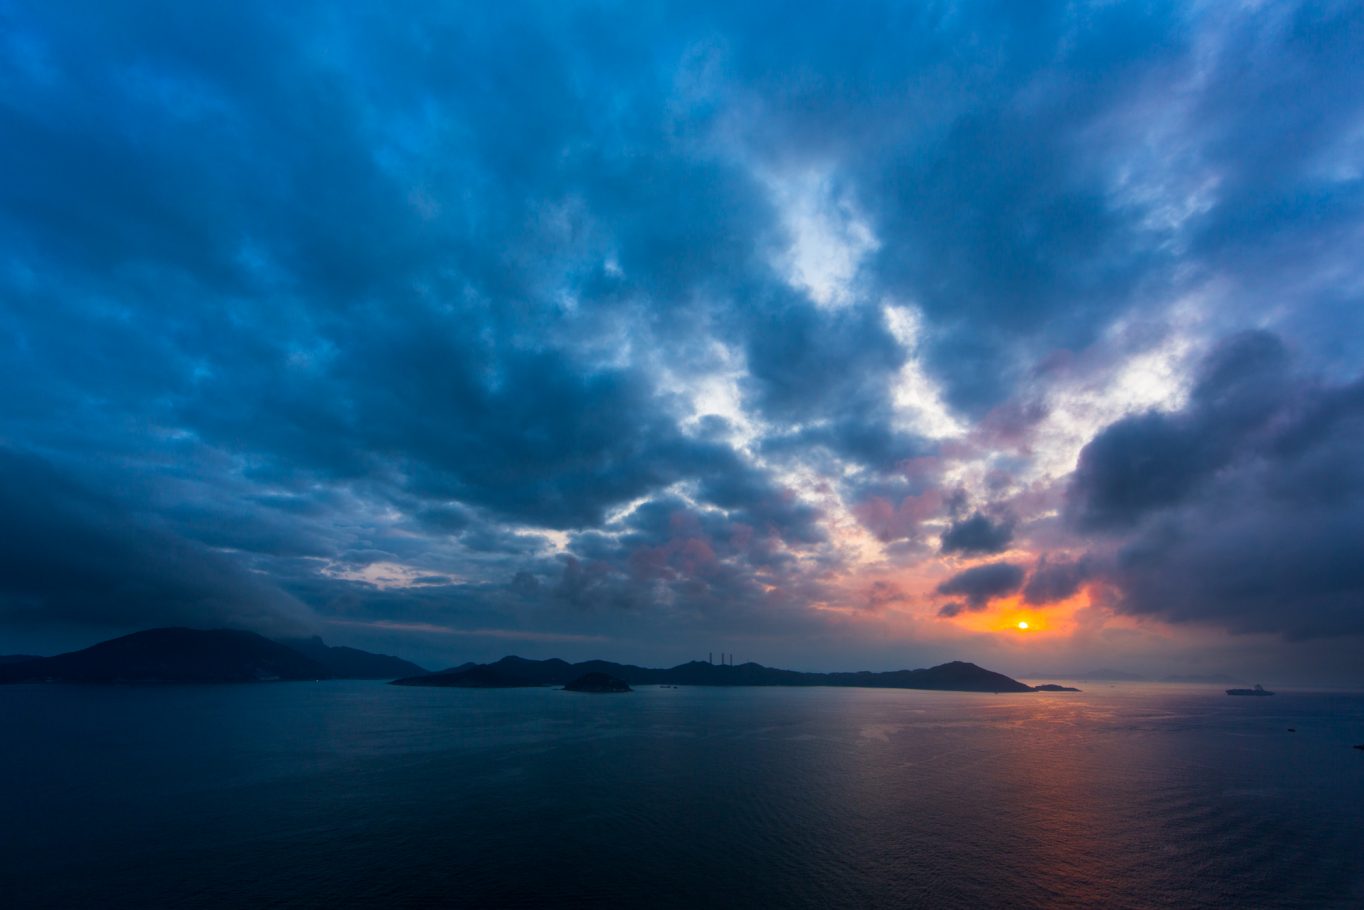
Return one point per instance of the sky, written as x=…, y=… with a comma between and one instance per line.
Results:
x=830, y=336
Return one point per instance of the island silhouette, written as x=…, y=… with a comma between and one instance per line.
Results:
x=519, y=672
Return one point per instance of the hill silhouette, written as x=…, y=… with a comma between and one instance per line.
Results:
x=352, y=663
x=171, y=655
x=956, y=676
x=178, y=655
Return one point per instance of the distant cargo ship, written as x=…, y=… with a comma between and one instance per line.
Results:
x=1258, y=690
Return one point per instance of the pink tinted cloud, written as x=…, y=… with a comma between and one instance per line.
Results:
x=896, y=522
x=689, y=557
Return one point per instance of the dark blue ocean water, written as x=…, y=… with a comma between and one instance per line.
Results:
x=362, y=794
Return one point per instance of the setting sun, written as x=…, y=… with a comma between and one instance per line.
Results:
x=1022, y=624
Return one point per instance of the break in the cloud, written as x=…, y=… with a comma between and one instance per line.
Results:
x=629, y=330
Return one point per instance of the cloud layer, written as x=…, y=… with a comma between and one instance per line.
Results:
x=655, y=328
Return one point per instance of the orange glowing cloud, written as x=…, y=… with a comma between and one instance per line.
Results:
x=1013, y=616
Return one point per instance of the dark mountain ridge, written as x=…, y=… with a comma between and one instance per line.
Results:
x=171, y=655
x=178, y=655
x=509, y=672
x=352, y=663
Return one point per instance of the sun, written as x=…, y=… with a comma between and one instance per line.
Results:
x=1023, y=624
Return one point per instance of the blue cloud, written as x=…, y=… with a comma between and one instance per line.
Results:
x=515, y=292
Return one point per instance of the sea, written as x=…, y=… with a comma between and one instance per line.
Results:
x=361, y=794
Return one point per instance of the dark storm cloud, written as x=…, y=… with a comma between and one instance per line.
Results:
x=1054, y=580
x=753, y=498
x=952, y=609
x=979, y=585
x=73, y=555
x=552, y=441
x=452, y=393
x=1255, y=521
x=824, y=379
x=977, y=535
x=1268, y=126
x=1155, y=460
x=828, y=373
x=1041, y=235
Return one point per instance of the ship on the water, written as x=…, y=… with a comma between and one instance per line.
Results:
x=1258, y=690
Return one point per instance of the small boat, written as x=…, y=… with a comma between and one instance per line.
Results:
x=1258, y=690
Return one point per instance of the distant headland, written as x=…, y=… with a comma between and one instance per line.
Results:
x=517, y=672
